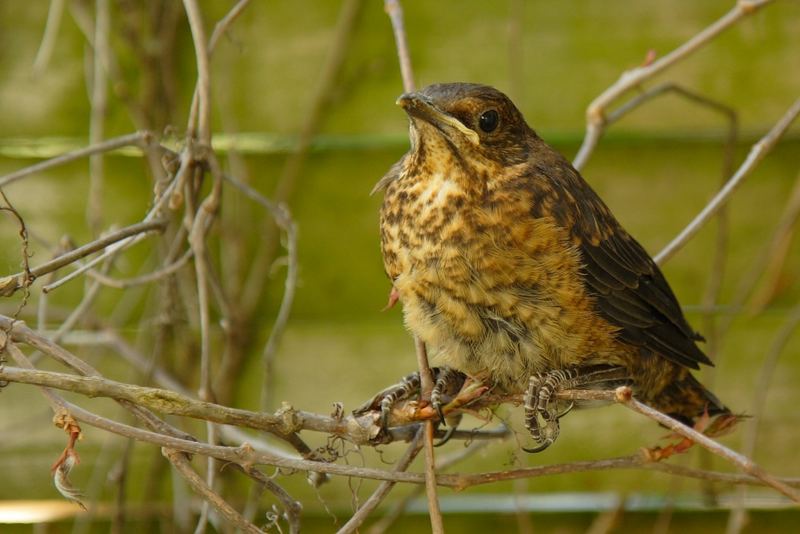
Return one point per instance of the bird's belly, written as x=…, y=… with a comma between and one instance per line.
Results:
x=477, y=322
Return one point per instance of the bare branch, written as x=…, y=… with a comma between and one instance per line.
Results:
x=395, y=12
x=138, y=139
x=99, y=103
x=46, y=47
x=10, y=284
x=179, y=461
x=225, y=22
x=383, y=489
x=757, y=153
x=595, y=113
x=624, y=396
x=201, y=124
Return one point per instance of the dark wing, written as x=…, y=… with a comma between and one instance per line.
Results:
x=628, y=287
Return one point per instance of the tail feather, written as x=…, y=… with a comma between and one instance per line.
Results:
x=686, y=399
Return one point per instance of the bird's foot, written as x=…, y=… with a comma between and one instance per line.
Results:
x=541, y=417
x=447, y=383
x=541, y=403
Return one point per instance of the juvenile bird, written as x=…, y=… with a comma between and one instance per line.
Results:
x=513, y=271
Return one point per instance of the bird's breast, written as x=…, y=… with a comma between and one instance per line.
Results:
x=484, y=284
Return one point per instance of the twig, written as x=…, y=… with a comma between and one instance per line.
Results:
x=291, y=507
x=155, y=276
x=395, y=12
x=10, y=284
x=624, y=396
x=224, y=23
x=47, y=45
x=383, y=488
x=426, y=386
x=114, y=248
x=442, y=463
x=22, y=334
x=181, y=464
x=595, y=113
x=283, y=219
x=138, y=139
x=776, y=253
x=200, y=125
x=757, y=153
x=750, y=437
x=245, y=454
x=97, y=117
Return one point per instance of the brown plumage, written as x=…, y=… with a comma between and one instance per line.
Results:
x=508, y=264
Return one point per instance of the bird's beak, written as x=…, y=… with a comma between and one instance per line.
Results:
x=417, y=105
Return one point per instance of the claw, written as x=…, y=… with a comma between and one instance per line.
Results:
x=539, y=448
x=566, y=410
x=447, y=381
x=542, y=389
x=447, y=435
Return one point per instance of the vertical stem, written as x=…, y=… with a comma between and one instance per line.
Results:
x=99, y=101
x=426, y=385
x=395, y=12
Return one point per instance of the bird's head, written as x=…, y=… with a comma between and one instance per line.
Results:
x=476, y=123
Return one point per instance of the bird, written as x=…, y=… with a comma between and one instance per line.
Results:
x=513, y=271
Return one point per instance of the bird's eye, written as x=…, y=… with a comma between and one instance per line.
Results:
x=488, y=120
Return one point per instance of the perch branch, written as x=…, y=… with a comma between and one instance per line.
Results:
x=624, y=396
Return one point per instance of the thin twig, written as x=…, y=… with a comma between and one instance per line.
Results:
x=292, y=508
x=48, y=43
x=201, y=124
x=155, y=276
x=181, y=464
x=97, y=116
x=761, y=389
x=426, y=386
x=442, y=463
x=595, y=113
x=121, y=245
x=138, y=139
x=224, y=23
x=383, y=488
x=776, y=253
x=10, y=284
x=624, y=396
x=395, y=12
x=291, y=171
x=757, y=153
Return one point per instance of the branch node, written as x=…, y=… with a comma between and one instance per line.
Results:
x=623, y=394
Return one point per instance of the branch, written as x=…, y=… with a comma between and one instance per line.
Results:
x=10, y=284
x=138, y=139
x=383, y=489
x=595, y=113
x=757, y=153
x=624, y=396
x=181, y=464
x=200, y=124
x=395, y=12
